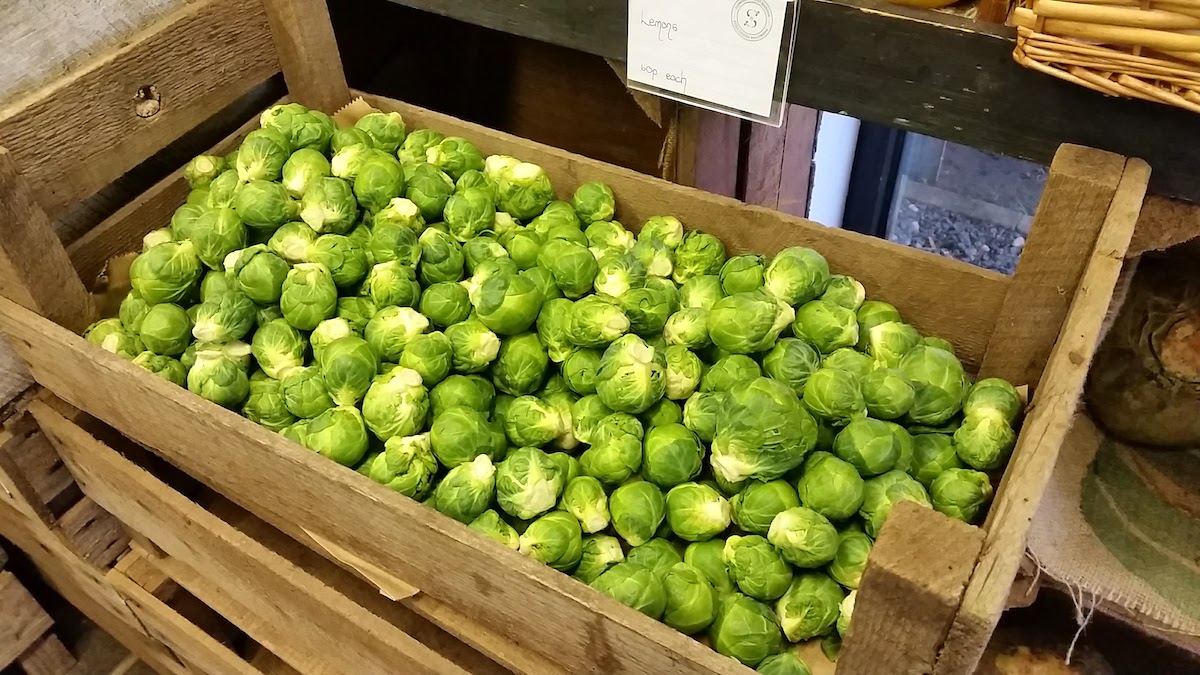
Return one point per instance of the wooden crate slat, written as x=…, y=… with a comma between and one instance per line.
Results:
x=83, y=131
x=94, y=532
x=47, y=656
x=297, y=616
x=308, y=53
x=24, y=620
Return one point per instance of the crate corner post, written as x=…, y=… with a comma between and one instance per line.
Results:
x=308, y=53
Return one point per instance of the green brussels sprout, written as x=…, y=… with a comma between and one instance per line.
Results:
x=702, y=412
x=346, y=262
x=520, y=366
x=697, y=512
x=429, y=188
x=528, y=483
x=993, y=396
x=873, y=313
x=349, y=365
x=596, y=321
x=763, y=433
x=938, y=343
x=474, y=347
x=491, y=525
x=156, y=237
x=932, y=455
x=326, y=332
x=265, y=405
x=445, y=304
x=296, y=432
x=386, y=130
x=854, y=362
x=664, y=412
x=507, y=303
x=471, y=391
x=579, y=371
x=264, y=205
x=391, y=284
x=882, y=492
x=345, y=137
x=633, y=586
x=303, y=168
x=530, y=421
x=572, y=266
x=475, y=179
x=132, y=311
x=850, y=562
x=469, y=213
x=745, y=629
x=229, y=317
x=166, y=367
x=183, y=221
x=830, y=486
x=416, y=145
x=558, y=220
x=461, y=433
x=666, y=229
x=238, y=352
x=391, y=330
x=655, y=256
x=810, y=607
x=339, y=434
x=553, y=324
x=356, y=312
x=756, y=566
x=166, y=329
x=600, y=553
x=202, y=169
x=584, y=498
x=543, y=280
x=757, y=505
x=304, y=392
x=869, y=445
x=215, y=284
x=258, y=273
x=834, y=395
x=961, y=493
x=826, y=326
x=554, y=539
x=701, y=292
x=455, y=156
x=939, y=382
x=637, y=509
x=743, y=273
x=309, y=296
x=618, y=424
x=796, y=275
x=748, y=322
x=524, y=190
x=613, y=458
x=846, y=610
x=984, y=441
x=657, y=555
x=792, y=361
x=292, y=242
x=394, y=232
x=278, y=347
x=430, y=355
x=691, y=601
x=482, y=249
x=441, y=257
x=586, y=414
x=304, y=128
x=608, y=237
x=219, y=378
x=199, y=196
x=684, y=371
x=803, y=537
x=261, y=156
x=346, y=162
x=786, y=663
x=688, y=328
x=523, y=246
x=888, y=393
x=467, y=490
x=594, y=201
x=216, y=234
x=222, y=190
x=706, y=557
x=328, y=205
x=647, y=309
x=888, y=342
x=632, y=375
x=844, y=291
x=698, y=254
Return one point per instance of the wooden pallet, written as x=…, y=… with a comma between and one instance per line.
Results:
x=932, y=593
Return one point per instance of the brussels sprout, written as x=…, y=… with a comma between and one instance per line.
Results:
x=238, y=352
x=222, y=190
x=507, y=303
x=491, y=525
x=309, y=296
x=528, y=483
x=854, y=362
x=796, y=275
x=304, y=392
x=524, y=190
x=183, y=221
x=304, y=128
x=354, y=313
x=747, y=322
x=655, y=256
x=469, y=213
x=787, y=663
x=657, y=555
x=482, y=249
x=264, y=205
x=473, y=345
x=416, y=145
x=471, y=391
x=632, y=375
x=394, y=233
x=349, y=365
x=530, y=421
x=584, y=498
x=666, y=229
x=847, y=609
x=804, y=537
x=830, y=486
x=156, y=237
x=466, y=491
x=475, y=179
x=663, y=413
x=888, y=342
x=763, y=433
x=166, y=329
x=600, y=553
x=132, y=311
x=218, y=378
x=888, y=393
x=523, y=246
x=345, y=260
x=706, y=556
x=932, y=454
x=834, y=395
x=691, y=601
x=844, y=291
x=984, y=441
x=633, y=586
x=810, y=606
x=568, y=466
x=348, y=136
x=850, y=562
x=701, y=292
x=554, y=539
x=199, y=196
x=386, y=130
x=697, y=512
x=326, y=332
x=258, y=273
x=392, y=328
x=391, y=284
x=460, y=433
x=637, y=509
x=215, y=284
x=572, y=266
x=608, y=237
x=292, y=242
x=757, y=567
x=216, y=234
x=792, y=361
x=347, y=161
x=938, y=343
x=939, y=382
x=586, y=414
x=757, y=505
x=261, y=156
x=673, y=455
x=594, y=202
x=202, y=169
x=745, y=629
x=166, y=367
x=339, y=434
x=826, y=326
x=407, y=465
x=228, y=317
x=596, y=321
x=303, y=168
x=869, y=445
x=993, y=396
x=430, y=355
x=873, y=313
x=558, y=221
x=618, y=424
x=882, y=492
x=701, y=413
x=553, y=324
x=455, y=156
x=328, y=205
x=277, y=347
x=688, y=328
x=265, y=405
x=699, y=254
x=445, y=304
x=520, y=367
x=961, y=493
x=429, y=188
x=647, y=309
x=743, y=273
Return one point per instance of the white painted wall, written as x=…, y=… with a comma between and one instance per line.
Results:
x=837, y=137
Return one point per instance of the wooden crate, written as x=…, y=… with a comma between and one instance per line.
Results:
x=934, y=589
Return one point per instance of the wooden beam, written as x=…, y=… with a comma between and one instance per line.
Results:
x=24, y=619
x=47, y=656
x=308, y=53
x=779, y=162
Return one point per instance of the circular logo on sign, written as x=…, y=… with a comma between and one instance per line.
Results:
x=752, y=19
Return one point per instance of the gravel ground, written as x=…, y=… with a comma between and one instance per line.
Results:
x=957, y=236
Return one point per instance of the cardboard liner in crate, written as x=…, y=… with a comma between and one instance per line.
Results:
x=1146, y=49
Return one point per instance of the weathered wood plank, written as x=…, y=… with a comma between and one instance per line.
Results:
x=24, y=619
x=308, y=53
x=1043, y=432
x=95, y=533
x=779, y=162
x=47, y=656
x=84, y=130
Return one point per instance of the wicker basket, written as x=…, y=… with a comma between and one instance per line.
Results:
x=1147, y=49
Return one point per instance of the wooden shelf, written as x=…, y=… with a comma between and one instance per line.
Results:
x=935, y=73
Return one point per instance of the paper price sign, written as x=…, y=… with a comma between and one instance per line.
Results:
x=721, y=54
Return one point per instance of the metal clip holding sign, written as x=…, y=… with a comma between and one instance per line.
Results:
x=729, y=56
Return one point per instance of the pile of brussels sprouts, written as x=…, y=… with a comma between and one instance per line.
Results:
x=714, y=441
